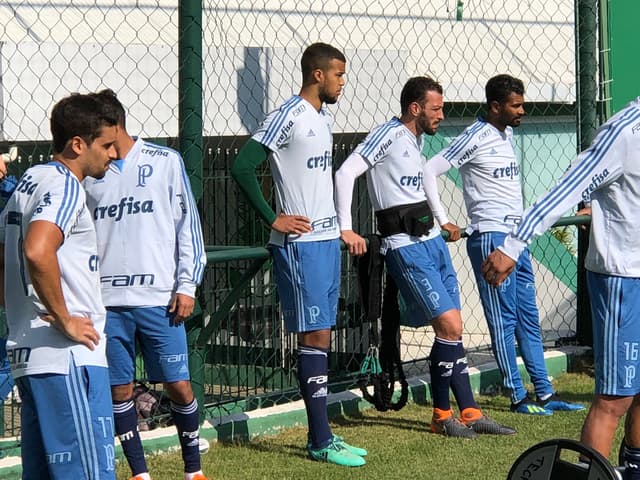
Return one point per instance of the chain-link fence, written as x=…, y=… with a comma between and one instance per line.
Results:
x=250, y=57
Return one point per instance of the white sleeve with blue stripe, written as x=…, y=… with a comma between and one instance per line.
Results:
x=192, y=258
x=593, y=169
x=64, y=199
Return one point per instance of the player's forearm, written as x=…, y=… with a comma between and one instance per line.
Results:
x=243, y=172
x=192, y=258
x=432, y=169
x=44, y=272
x=345, y=179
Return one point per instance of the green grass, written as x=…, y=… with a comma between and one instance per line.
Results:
x=400, y=446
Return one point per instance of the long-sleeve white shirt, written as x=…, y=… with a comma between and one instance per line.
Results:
x=490, y=173
x=392, y=158
x=607, y=174
x=149, y=234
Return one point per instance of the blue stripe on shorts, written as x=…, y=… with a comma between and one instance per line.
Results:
x=67, y=425
x=615, y=306
x=426, y=279
x=308, y=280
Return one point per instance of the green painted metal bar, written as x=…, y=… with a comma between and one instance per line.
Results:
x=190, y=140
x=230, y=300
x=190, y=91
x=240, y=253
x=587, y=91
x=261, y=254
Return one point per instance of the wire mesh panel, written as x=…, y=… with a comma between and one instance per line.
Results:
x=251, y=54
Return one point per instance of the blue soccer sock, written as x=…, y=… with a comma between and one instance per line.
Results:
x=187, y=422
x=125, y=419
x=631, y=463
x=460, y=383
x=441, y=361
x=313, y=369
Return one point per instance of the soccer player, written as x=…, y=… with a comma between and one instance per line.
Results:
x=51, y=292
x=415, y=253
x=607, y=174
x=6, y=380
x=151, y=261
x=492, y=192
x=304, y=239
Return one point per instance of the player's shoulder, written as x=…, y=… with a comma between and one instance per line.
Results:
x=294, y=107
x=626, y=121
x=149, y=150
x=478, y=131
x=50, y=172
x=389, y=132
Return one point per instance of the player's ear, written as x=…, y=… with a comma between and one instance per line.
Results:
x=78, y=145
x=318, y=75
x=494, y=106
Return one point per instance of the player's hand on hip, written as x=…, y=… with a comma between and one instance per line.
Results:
x=298, y=224
x=453, y=230
x=78, y=329
x=354, y=242
x=497, y=267
x=181, y=307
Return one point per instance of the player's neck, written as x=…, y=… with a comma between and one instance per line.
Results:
x=409, y=121
x=71, y=165
x=124, y=144
x=494, y=121
x=311, y=95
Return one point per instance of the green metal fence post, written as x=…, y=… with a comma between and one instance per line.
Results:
x=587, y=91
x=190, y=90
x=190, y=138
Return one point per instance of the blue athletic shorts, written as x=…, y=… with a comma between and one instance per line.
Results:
x=615, y=310
x=67, y=425
x=426, y=280
x=162, y=343
x=308, y=280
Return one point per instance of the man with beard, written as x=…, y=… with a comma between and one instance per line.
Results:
x=492, y=192
x=50, y=286
x=304, y=239
x=415, y=253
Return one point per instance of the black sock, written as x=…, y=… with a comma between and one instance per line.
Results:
x=313, y=369
x=125, y=419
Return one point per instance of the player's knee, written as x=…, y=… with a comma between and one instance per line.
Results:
x=316, y=338
x=180, y=391
x=122, y=393
x=448, y=326
x=611, y=406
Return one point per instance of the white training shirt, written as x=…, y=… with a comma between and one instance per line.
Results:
x=301, y=159
x=490, y=172
x=149, y=234
x=53, y=194
x=395, y=170
x=607, y=174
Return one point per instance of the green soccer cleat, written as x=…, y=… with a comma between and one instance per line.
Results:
x=337, y=454
x=355, y=450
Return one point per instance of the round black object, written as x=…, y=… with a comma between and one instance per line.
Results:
x=543, y=462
